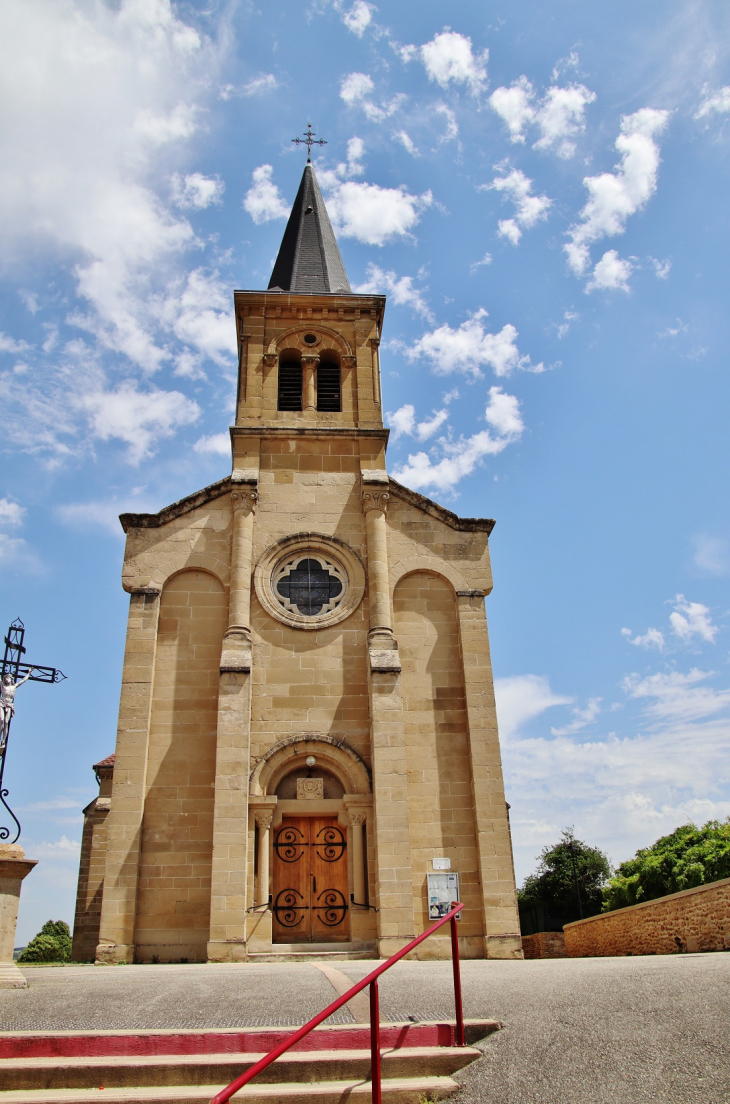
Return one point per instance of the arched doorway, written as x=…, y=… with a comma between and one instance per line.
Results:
x=311, y=810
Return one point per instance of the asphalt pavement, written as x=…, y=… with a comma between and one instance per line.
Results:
x=575, y=1031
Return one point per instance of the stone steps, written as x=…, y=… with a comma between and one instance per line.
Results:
x=406, y=1090
x=330, y=1065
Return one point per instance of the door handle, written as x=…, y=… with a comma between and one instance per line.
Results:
x=314, y=884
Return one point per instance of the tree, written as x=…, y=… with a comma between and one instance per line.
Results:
x=567, y=884
x=689, y=857
x=52, y=944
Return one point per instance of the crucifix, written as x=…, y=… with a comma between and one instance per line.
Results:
x=14, y=673
x=309, y=140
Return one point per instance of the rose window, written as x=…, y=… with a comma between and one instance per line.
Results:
x=309, y=585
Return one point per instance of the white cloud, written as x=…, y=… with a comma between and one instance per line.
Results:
x=611, y=273
x=63, y=850
x=356, y=89
x=520, y=698
x=652, y=638
x=449, y=58
x=263, y=200
x=97, y=515
x=88, y=126
x=564, y=326
x=712, y=554
x=514, y=105
x=10, y=345
x=714, y=103
x=139, y=418
x=358, y=18
x=264, y=82
x=400, y=289
x=11, y=513
x=408, y=145
x=661, y=268
x=452, y=127
x=460, y=458
x=372, y=214
x=196, y=191
x=470, y=348
x=559, y=115
x=614, y=197
x=676, y=696
x=572, y=61
x=583, y=717
x=219, y=444
x=529, y=209
x=486, y=260
x=690, y=619
x=404, y=421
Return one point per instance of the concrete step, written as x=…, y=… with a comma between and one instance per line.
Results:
x=250, y=1040
x=133, y=1071
x=403, y=1090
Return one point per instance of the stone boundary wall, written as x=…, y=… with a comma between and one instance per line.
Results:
x=544, y=945
x=694, y=920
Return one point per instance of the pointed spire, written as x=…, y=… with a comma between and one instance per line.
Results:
x=309, y=260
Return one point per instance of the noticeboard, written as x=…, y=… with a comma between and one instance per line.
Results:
x=443, y=893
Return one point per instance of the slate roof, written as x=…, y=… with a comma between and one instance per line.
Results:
x=309, y=260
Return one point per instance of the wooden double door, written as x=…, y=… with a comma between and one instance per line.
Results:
x=310, y=886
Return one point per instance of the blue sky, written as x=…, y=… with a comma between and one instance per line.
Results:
x=541, y=191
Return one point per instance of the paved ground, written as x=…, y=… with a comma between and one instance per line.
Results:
x=581, y=1031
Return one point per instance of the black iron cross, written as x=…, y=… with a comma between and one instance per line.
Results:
x=309, y=141
x=15, y=671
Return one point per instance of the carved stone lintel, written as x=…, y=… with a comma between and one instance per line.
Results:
x=379, y=476
x=471, y=593
x=149, y=591
x=264, y=818
x=375, y=500
x=244, y=500
x=348, y=362
x=248, y=476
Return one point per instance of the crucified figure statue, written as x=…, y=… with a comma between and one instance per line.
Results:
x=7, y=703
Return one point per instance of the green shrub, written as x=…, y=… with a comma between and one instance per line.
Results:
x=689, y=857
x=549, y=897
x=52, y=944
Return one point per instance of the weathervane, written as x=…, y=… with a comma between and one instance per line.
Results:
x=13, y=674
x=309, y=140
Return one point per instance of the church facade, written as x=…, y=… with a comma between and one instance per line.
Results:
x=307, y=730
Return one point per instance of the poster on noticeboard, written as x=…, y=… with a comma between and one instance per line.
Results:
x=443, y=893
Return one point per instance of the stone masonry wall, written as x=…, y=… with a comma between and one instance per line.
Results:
x=544, y=945
x=694, y=920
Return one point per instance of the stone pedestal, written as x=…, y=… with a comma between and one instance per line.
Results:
x=13, y=868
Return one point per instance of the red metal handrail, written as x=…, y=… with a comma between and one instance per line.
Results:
x=372, y=980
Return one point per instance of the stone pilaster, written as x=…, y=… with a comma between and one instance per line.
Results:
x=390, y=793
x=227, y=937
x=14, y=867
x=124, y=824
x=496, y=870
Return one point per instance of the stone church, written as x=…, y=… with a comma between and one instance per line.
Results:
x=307, y=729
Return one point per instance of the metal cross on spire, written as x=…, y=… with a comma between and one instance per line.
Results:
x=13, y=673
x=309, y=140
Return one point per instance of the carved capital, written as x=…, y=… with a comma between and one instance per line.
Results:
x=349, y=362
x=374, y=342
x=357, y=817
x=264, y=818
x=244, y=501
x=375, y=500
x=271, y=360
x=310, y=360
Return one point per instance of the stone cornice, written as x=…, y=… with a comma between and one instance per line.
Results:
x=463, y=525
x=176, y=509
x=223, y=486
x=307, y=431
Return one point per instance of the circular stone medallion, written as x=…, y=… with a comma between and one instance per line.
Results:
x=309, y=581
